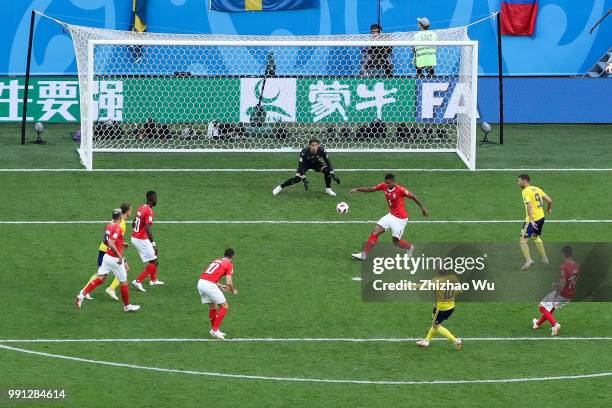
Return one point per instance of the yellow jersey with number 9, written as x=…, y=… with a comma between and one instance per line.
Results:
x=103, y=247
x=535, y=196
x=446, y=289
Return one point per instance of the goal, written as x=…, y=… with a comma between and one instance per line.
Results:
x=154, y=92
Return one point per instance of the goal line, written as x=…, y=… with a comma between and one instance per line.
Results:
x=273, y=170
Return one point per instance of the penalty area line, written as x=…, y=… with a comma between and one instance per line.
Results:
x=569, y=221
x=298, y=340
x=302, y=379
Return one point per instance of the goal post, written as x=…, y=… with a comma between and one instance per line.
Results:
x=160, y=93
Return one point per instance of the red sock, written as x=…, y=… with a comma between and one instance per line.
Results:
x=542, y=320
x=220, y=315
x=145, y=273
x=371, y=242
x=404, y=244
x=92, y=285
x=212, y=315
x=548, y=315
x=125, y=294
x=153, y=272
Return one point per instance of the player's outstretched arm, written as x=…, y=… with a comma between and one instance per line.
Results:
x=418, y=202
x=230, y=284
x=362, y=190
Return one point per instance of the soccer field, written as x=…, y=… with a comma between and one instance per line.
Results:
x=299, y=333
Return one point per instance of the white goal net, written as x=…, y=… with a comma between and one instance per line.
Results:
x=153, y=92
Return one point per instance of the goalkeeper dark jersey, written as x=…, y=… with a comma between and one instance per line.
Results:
x=316, y=162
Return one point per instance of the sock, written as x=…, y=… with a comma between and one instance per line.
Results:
x=153, y=272
x=541, y=320
x=371, y=242
x=327, y=178
x=125, y=294
x=93, y=278
x=291, y=181
x=144, y=274
x=404, y=244
x=220, y=315
x=525, y=250
x=446, y=333
x=114, y=285
x=548, y=316
x=540, y=245
x=430, y=334
x=212, y=315
x=92, y=285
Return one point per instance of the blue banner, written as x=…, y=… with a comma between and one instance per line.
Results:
x=261, y=5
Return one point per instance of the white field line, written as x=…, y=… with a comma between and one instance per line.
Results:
x=304, y=379
x=571, y=221
x=297, y=340
x=353, y=170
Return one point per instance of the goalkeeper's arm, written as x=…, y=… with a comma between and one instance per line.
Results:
x=329, y=166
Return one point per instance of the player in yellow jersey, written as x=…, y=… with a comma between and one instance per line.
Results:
x=445, y=287
x=533, y=200
x=126, y=212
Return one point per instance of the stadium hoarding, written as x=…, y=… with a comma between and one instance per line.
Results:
x=51, y=99
x=189, y=99
x=483, y=272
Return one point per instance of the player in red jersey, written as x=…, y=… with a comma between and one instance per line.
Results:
x=142, y=239
x=396, y=219
x=211, y=288
x=114, y=262
x=562, y=294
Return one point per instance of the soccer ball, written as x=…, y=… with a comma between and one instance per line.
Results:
x=485, y=127
x=342, y=208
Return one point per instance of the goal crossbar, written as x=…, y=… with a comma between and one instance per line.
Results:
x=282, y=43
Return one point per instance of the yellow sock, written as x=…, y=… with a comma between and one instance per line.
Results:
x=525, y=250
x=540, y=245
x=115, y=283
x=430, y=334
x=446, y=333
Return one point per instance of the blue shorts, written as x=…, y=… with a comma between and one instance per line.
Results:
x=100, y=256
x=527, y=231
x=441, y=315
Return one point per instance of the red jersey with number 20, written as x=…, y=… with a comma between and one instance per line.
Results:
x=144, y=216
x=218, y=269
x=395, y=199
x=114, y=232
x=569, y=272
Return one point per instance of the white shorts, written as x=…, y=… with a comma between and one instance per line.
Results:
x=554, y=300
x=109, y=264
x=145, y=249
x=396, y=225
x=210, y=292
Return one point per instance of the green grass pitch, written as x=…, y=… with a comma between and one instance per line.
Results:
x=294, y=281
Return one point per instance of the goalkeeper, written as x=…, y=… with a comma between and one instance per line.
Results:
x=313, y=157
